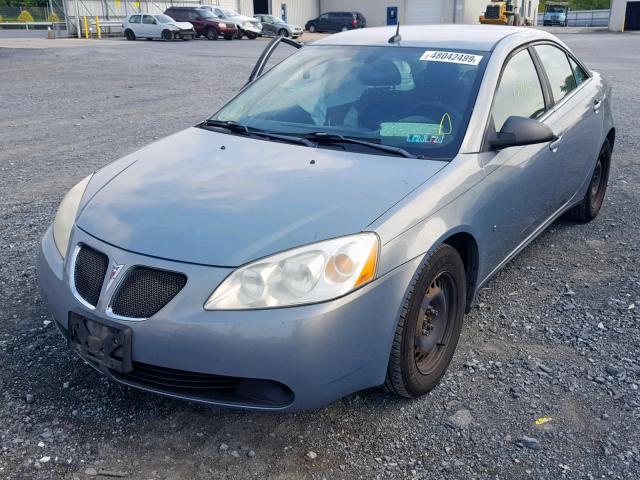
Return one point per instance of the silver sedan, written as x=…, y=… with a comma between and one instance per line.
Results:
x=326, y=230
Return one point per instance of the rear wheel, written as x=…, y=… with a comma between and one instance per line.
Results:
x=344, y=29
x=429, y=326
x=312, y=28
x=129, y=35
x=212, y=34
x=590, y=206
x=167, y=36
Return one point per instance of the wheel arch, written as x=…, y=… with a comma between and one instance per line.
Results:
x=611, y=136
x=467, y=247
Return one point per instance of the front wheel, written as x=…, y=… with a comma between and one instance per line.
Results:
x=590, y=205
x=429, y=326
x=212, y=34
x=283, y=32
x=344, y=29
x=167, y=36
x=251, y=36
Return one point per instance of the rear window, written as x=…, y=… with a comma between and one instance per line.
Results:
x=418, y=99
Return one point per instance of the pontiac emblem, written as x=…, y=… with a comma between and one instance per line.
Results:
x=115, y=271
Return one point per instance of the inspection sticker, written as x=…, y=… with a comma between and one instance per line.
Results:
x=451, y=57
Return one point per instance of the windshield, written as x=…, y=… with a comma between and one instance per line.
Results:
x=164, y=19
x=230, y=13
x=414, y=98
x=206, y=14
x=556, y=9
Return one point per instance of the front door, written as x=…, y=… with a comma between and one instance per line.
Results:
x=150, y=27
x=518, y=188
x=268, y=25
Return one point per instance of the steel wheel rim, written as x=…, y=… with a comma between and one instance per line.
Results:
x=598, y=181
x=434, y=323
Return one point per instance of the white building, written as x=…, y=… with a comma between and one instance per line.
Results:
x=375, y=11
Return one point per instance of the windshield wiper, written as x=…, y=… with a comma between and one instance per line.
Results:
x=320, y=137
x=237, y=127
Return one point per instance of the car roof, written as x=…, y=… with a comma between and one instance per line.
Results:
x=471, y=37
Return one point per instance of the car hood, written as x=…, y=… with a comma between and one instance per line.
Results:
x=182, y=25
x=215, y=199
x=242, y=18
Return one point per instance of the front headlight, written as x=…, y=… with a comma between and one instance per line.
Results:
x=313, y=273
x=66, y=215
x=222, y=25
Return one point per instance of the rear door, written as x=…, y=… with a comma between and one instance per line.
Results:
x=577, y=118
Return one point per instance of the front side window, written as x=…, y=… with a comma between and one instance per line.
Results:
x=519, y=93
x=559, y=72
x=324, y=17
x=403, y=97
x=148, y=20
x=134, y=19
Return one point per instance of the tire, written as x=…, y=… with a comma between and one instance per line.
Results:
x=590, y=205
x=167, y=36
x=129, y=35
x=212, y=34
x=251, y=36
x=344, y=29
x=312, y=28
x=239, y=34
x=440, y=287
x=283, y=32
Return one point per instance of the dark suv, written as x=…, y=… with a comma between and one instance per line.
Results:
x=336, y=22
x=204, y=22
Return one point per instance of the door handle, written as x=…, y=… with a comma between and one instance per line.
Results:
x=553, y=146
x=596, y=105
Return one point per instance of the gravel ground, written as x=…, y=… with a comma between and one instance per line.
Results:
x=555, y=334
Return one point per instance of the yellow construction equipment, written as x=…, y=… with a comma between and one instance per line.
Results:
x=498, y=13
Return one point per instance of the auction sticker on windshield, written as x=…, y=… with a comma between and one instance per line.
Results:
x=451, y=57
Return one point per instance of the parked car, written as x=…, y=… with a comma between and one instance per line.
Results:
x=336, y=22
x=275, y=26
x=149, y=26
x=326, y=230
x=246, y=26
x=206, y=24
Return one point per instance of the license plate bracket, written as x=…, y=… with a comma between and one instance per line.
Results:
x=105, y=343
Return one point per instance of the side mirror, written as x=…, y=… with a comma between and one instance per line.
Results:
x=519, y=131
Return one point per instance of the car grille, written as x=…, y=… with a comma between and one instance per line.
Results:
x=145, y=291
x=89, y=272
x=176, y=380
x=207, y=387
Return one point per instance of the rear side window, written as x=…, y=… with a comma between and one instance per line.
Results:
x=519, y=93
x=578, y=71
x=559, y=72
x=134, y=19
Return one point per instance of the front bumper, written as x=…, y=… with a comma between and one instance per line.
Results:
x=251, y=29
x=320, y=352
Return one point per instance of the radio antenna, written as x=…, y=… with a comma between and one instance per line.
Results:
x=396, y=38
